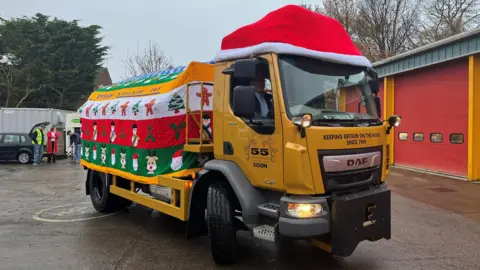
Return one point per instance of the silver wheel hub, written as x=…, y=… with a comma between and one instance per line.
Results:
x=23, y=158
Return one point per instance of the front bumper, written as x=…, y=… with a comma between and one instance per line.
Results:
x=347, y=220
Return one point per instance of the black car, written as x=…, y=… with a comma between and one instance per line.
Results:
x=16, y=146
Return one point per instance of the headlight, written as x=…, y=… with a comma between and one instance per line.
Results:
x=304, y=210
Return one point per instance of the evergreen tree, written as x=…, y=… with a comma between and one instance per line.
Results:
x=176, y=103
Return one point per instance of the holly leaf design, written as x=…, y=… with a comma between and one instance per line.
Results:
x=104, y=132
x=122, y=133
x=177, y=129
x=150, y=135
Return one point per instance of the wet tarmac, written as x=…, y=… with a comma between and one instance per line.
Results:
x=46, y=222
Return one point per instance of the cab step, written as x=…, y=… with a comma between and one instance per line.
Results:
x=269, y=210
x=264, y=232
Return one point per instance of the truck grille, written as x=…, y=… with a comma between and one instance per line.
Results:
x=363, y=175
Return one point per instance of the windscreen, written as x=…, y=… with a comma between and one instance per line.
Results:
x=329, y=91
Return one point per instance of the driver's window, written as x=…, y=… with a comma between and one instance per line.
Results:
x=264, y=96
x=264, y=120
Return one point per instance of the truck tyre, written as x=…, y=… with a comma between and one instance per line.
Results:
x=221, y=226
x=103, y=201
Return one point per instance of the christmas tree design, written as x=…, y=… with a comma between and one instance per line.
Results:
x=177, y=129
x=113, y=108
x=135, y=108
x=176, y=103
x=95, y=110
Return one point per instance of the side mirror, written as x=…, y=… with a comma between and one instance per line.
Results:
x=374, y=85
x=378, y=105
x=302, y=122
x=393, y=121
x=243, y=101
x=372, y=78
x=247, y=69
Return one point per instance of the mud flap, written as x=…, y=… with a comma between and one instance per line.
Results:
x=358, y=217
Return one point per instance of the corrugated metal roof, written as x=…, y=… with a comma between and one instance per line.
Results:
x=453, y=47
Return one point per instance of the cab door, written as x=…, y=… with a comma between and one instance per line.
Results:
x=256, y=149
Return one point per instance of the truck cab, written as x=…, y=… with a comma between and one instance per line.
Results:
x=310, y=166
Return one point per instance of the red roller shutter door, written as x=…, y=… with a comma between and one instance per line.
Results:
x=433, y=100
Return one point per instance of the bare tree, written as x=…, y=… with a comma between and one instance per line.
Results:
x=345, y=12
x=444, y=18
x=388, y=27
x=379, y=28
x=150, y=60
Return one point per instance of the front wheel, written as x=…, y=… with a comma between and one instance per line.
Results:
x=221, y=225
x=24, y=157
x=102, y=200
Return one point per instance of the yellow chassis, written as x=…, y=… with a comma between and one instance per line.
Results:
x=180, y=211
x=182, y=186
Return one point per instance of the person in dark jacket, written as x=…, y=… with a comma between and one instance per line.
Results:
x=263, y=101
x=76, y=141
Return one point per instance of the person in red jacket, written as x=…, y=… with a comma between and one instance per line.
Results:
x=52, y=144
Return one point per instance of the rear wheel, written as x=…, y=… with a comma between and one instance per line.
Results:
x=24, y=157
x=103, y=201
x=221, y=225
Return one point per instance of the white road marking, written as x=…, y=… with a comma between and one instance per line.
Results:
x=73, y=210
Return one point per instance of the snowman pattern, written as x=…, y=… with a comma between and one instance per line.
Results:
x=113, y=135
x=95, y=131
x=135, y=137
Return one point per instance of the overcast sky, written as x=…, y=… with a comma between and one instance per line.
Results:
x=187, y=30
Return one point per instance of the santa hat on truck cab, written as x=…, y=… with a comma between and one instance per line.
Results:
x=293, y=30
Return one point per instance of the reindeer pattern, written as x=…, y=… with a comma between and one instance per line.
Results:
x=151, y=162
x=104, y=153
x=87, y=151
x=123, y=157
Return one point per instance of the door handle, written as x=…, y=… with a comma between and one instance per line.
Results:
x=232, y=123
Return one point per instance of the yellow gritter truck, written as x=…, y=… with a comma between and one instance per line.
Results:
x=280, y=136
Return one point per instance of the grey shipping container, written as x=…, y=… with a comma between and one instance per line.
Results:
x=23, y=119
